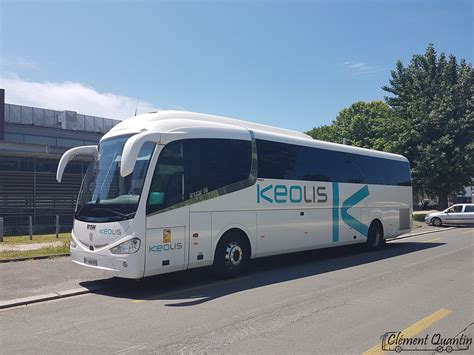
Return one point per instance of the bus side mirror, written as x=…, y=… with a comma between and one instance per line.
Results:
x=156, y=198
x=88, y=150
x=132, y=148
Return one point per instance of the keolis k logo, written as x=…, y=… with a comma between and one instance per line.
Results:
x=351, y=201
x=317, y=194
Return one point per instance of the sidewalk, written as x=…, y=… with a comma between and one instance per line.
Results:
x=51, y=278
x=422, y=227
x=38, y=277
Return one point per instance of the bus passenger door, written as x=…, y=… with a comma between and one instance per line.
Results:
x=165, y=248
x=166, y=241
x=200, y=239
x=167, y=221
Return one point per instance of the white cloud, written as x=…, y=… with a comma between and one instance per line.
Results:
x=362, y=67
x=71, y=96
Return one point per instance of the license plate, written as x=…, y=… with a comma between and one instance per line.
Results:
x=92, y=262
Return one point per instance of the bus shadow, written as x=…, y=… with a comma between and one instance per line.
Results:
x=197, y=286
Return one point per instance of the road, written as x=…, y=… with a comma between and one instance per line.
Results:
x=329, y=301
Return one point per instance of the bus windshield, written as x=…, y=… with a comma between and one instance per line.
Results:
x=107, y=196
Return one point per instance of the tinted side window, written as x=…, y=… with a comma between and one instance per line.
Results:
x=383, y=171
x=215, y=163
x=193, y=167
x=276, y=160
x=469, y=209
x=167, y=185
x=286, y=161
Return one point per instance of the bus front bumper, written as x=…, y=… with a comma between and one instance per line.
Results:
x=128, y=266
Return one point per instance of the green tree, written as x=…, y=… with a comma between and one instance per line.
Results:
x=325, y=133
x=364, y=124
x=433, y=98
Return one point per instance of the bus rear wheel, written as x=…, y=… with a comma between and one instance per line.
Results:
x=375, y=239
x=232, y=255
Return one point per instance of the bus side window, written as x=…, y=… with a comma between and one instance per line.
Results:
x=215, y=163
x=168, y=178
x=193, y=167
x=356, y=176
x=278, y=160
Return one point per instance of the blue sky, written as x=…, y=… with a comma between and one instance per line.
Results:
x=285, y=63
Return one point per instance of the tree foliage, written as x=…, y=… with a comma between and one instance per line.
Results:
x=363, y=124
x=428, y=118
x=433, y=96
x=325, y=133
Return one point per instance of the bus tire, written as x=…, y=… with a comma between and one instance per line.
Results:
x=375, y=239
x=232, y=255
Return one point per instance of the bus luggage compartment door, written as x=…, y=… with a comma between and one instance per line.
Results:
x=165, y=250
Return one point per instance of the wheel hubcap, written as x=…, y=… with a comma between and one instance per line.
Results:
x=233, y=254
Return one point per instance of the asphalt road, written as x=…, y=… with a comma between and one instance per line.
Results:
x=329, y=301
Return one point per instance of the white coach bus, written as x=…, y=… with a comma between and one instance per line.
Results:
x=174, y=190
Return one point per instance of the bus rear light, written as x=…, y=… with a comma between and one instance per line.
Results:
x=129, y=247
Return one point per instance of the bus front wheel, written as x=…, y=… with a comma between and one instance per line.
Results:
x=375, y=239
x=232, y=255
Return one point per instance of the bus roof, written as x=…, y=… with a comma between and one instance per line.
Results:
x=149, y=119
x=172, y=121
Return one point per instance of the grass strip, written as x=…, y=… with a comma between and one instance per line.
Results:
x=46, y=251
x=41, y=238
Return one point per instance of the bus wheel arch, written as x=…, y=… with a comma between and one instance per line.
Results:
x=232, y=253
x=375, y=237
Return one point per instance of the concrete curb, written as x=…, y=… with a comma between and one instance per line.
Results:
x=33, y=258
x=421, y=233
x=48, y=297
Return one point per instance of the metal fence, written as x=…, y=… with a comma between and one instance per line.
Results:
x=37, y=194
x=58, y=228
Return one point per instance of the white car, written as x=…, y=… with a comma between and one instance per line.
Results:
x=456, y=214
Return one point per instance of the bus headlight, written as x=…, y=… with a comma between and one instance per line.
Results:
x=129, y=247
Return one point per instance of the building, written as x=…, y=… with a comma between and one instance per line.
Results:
x=467, y=196
x=32, y=141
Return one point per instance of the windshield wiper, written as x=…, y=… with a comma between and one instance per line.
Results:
x=117, y=213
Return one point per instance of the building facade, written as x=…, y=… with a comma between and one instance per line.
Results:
x=32, y=141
